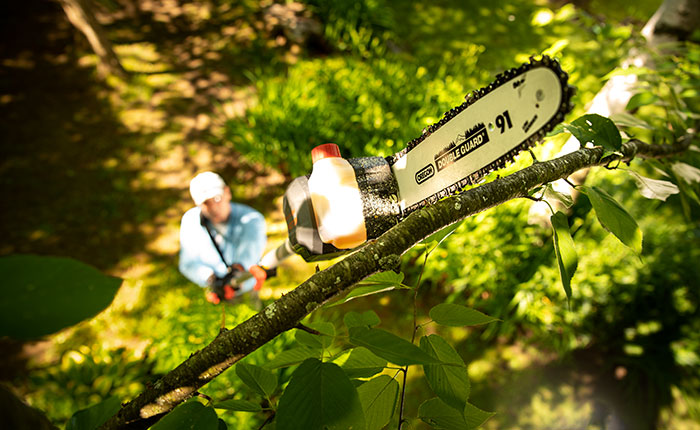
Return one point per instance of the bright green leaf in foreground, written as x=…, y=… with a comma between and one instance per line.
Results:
x=378, y=397
x=564, y=248
x=448, y=381
x=614, y=218
x=596, y=129
x=454, y=315
x=319, y=396
x=389, y=346
x=260, y=380
x=94, y=416
x=189, y=416
x=42, y=295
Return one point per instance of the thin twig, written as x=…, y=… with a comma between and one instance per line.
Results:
x=267, y=421
x=308, y=329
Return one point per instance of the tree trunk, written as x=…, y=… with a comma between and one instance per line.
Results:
x=383, y=254
x=79, y=13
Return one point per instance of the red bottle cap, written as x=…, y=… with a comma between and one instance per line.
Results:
x=326, y=150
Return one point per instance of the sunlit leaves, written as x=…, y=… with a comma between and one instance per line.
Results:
x=596, y=129
x=94, y=416
x=290, y=357
x=260, y=380
x=42, y=295
x=362, y=363
x=564, y=248
x=377, y=283
x=654, y=188
x=641, y=99
x=448, y=379
x=451, y=314
x=319, y=396
x=551, y=194
x=189, y=415
x=614, y=218
x=389, y=346
x=378, y=397
x=689, y=173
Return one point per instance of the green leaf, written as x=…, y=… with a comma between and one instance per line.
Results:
x=290, y=357
x=551, y=194
x=565, y=250
x=389, y=346
x=441, y=235
x=449, y=382
x=260, y=380
x=94, y=416
x=319, y=396
x=444, y=417
x=190, y=415
x=689, y=173
x=641, y=99
x=624, y=119
x=377, y=283
x=356, y=319
x=614, y=218
x=654, y=188
x=454, y=315
x=361, y=363
x=388, y=278
x=238, y=405
x=441, y=416
x=475, y=417
x=596, y=129
x=42, y=295
x=378, y=397
x=324, y=340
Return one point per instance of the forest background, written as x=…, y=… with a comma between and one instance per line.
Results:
x=96, y=168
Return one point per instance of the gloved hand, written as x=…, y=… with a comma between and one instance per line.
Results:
x=260, y=276
x=221, y=288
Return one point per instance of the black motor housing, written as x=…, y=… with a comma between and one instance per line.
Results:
x=379, y=194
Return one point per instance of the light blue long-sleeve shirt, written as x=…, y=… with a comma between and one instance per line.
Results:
x=243, y=241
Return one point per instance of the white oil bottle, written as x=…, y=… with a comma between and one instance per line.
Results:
x=336, y=198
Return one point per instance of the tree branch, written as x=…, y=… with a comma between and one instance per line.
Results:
x=383, y=254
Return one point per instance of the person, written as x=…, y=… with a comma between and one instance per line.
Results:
x=221, y=242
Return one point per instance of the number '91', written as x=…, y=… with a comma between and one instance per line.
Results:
x=503, y=121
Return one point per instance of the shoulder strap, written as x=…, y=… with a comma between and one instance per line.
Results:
x=208, y=227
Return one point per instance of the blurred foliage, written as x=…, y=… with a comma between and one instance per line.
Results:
x=392, y=68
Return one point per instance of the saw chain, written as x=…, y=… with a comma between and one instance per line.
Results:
x=483, y=134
